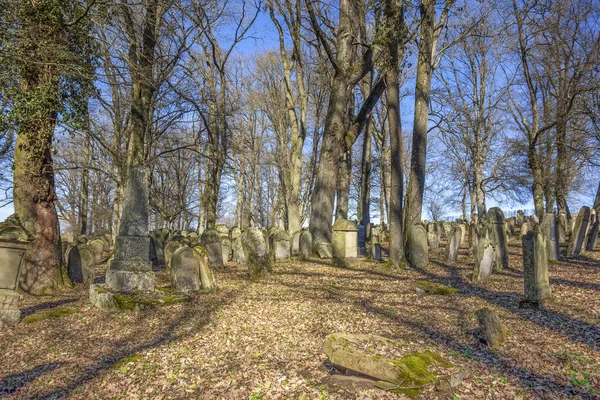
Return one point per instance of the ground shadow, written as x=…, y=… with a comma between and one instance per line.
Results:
x=11, y=383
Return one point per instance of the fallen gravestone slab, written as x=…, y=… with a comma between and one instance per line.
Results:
x=422, y=286
x=399, y=367
x=106, y=299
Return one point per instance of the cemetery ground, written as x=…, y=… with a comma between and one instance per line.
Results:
x=264, y=339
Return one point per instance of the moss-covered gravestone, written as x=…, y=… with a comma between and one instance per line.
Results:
x=295, y=244
x=159, y=240
x=344, y=242
x=399, y=367
x=535, y=269
x=484, y=260
x=433, y=236
x=207, y=277
x=257, y=256
x=14, y=241
x=211, y=242
x=497, y=236
x=170, y=249
x=226, y=249
x=97, y=246
x=550, y=231
x=223, y=230
x=593, y=237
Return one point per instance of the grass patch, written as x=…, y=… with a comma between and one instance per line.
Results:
x=43, y=315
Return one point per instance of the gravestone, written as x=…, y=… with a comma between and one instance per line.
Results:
x=281, y=246
x=194, y=238
x=579, y=231
x=185, y=270
x=497, y=236
x=238, y=250
x=223, y=230
x=170, y=249
x=265, y=234
x=324, y=250
x=256, y=253
x=131, y=268
x=535, y=269
x=97, y=247
x=235, y=233
x=526, y=227
x=418, y=255
x=362, y=239
x=520, y=218
x=433, y=236
x=295, y=243
x=376, y=252
x=344, y=242
x=80, y=268
x=211, y=242
x=447, y=228
x=463, y=232
x=225, y=249
x=14, y=241
x=453, y=244
x=207, y=277
x=562, y=228
x=305, y=245
x=550, y=231
x=484, y=260
x=592, y=237
x=475, y=232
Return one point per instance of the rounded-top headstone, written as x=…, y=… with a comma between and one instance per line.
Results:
x=256, y=253
x=185, y=269
x=211, y=241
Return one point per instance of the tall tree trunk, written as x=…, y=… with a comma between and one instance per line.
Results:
x=85, y=186
x=560, y=186
x=416, y=185
x=364, y=214
x=597, y=202
x=343, y=186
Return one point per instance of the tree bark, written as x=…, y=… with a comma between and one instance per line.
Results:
x=343, y=186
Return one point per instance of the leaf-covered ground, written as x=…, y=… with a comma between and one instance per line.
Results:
x=264, y=340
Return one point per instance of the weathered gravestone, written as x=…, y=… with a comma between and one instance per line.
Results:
x=185, y=270
x=579, y=231
x=170, y=249
x=223, y=230
x=497, y=236
x=433, y=236
x=97, y=247
x=535, y=269
x=593, y=237
x=131, y=268
x=280, y=241
x=211, y=242
x=453, y=244
x=226, y=249
x=80, y=268
x=295, y=243
x=194, y=238
x=418, y=256
x=159, y=240
x=562, y=228
x=376, y=252
x=475, y=232
x=550, y=231
x=447, y=229
x=14, y=241
x=362, y=239
x=256, y=253
x=484, y=260
x=305, y=245
x=324, y=250
x=344, y=241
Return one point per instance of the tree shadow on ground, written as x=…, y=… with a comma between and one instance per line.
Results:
x=11, y=383
x=129, y=346
x=49, y=304
x=491, y=359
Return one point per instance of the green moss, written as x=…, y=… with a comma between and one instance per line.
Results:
x=435, y=288
x=42, y=315
x=131, y=359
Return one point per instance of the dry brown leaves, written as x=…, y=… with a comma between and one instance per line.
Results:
x=264, y=340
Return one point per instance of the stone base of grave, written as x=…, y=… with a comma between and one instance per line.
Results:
x=102, y=297
x=130, y=281
x=9, y=307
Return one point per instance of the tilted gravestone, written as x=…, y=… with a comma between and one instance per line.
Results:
x=562, y=228
x=256, y=253
x=14, y=241
x=281, y=246
x=593, y=237
x=535, y=269
x=81, y=264
x=207, y=277
x=344, y=242
x=550, y=230
x=170, y=249
x=453, y=244
x=484, y=260
x=185, y=270
x=579, y=231
x=211, y=242
x=497, y=236
x=305, y=245
x=418, y=256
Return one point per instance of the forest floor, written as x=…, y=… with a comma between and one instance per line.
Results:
x=264, y=340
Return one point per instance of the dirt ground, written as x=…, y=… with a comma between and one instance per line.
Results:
x=264, y=340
